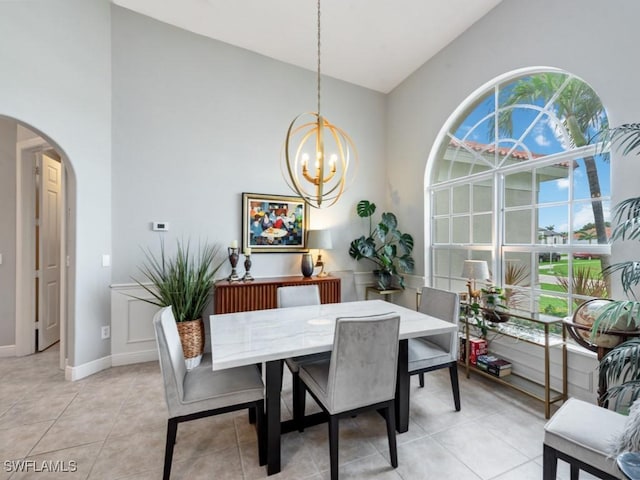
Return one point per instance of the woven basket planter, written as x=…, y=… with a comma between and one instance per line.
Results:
x=192, y=339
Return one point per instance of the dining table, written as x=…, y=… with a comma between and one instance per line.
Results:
x=270, y=336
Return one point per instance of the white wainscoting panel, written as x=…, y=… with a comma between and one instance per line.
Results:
x=132, y=336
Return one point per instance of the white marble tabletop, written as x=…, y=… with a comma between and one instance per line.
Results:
x=259, y=336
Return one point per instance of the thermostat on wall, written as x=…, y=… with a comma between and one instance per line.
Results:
x=160, y=226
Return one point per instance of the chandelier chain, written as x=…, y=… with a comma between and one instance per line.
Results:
x=318, y=57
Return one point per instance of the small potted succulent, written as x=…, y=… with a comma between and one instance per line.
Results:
x=494, y=304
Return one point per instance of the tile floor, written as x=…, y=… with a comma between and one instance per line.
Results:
x=112, y=425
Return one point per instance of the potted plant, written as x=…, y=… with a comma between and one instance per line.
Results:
x=619, y=375
x=183, y=281
x=494, y=304
x=623, y=314
x=474, y=312
x=386, y=246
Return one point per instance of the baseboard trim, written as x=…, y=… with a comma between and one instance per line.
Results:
x=7, y=351
x=119, y=359
x=86, y=369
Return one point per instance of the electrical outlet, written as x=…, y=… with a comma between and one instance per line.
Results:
x=106, y=332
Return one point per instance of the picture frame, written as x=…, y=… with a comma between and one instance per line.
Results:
x=274, y=223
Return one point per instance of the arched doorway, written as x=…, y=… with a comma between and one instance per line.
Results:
x=44, y=220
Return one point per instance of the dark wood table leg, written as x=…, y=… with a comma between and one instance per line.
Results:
x=402, y=388
x=273, y=389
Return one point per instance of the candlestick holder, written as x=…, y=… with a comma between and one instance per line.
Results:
x=233, y=260
x=247, y=266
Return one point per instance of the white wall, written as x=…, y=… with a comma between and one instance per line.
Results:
x=56, y=77
x=592, y=39
x=196, y=122
x=8, y=135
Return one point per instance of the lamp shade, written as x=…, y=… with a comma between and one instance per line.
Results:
x=475, y=270
x=320, y=239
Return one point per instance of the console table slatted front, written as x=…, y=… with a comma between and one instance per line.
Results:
x=261, y=293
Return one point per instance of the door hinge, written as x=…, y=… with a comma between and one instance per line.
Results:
x=37, y=274
x=36, y=170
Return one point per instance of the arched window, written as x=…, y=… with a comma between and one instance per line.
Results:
x=519, y=179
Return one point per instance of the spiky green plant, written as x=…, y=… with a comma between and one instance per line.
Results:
x=515, y=274
x=385, y=246
x=183, y=281
x=583, y=282
x=622, y=364
x=621, y=367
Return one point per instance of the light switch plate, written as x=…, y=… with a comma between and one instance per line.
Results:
x=106, y=260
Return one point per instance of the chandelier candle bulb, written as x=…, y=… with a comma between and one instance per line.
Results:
x=312, y=132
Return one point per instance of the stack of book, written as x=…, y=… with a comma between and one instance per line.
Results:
x=477, y=347
x=498, y=367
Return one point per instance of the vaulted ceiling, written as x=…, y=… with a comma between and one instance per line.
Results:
x=371, y=43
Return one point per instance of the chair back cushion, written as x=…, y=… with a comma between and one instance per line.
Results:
x=348, y=292
x=445, y=306
x=364, y=362
x=298, y=296
x=171, y=357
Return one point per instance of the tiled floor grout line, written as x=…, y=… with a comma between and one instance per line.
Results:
x=132, y=382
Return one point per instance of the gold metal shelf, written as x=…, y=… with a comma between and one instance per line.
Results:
x=544, y=339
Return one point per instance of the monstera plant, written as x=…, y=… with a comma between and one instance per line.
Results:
x=386, y=246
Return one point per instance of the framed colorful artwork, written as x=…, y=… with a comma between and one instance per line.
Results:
x=274, y=223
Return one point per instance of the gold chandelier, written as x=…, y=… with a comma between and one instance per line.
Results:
x=311, y=136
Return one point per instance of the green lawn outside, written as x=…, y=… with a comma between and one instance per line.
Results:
x=561, y=268
x=556, y=307
x=552, y=287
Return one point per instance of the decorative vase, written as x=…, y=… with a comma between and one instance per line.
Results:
x=307, y=265
x=192, y=339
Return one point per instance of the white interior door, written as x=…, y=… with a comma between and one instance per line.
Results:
x=48, y=255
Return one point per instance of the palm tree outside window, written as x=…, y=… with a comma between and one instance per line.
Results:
x=524, y=157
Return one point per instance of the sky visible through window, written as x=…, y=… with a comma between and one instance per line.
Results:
x=537, y=130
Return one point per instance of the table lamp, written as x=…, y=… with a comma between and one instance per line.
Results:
x=474, y=270
x=319, y=240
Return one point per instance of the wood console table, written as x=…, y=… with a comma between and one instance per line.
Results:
x=261, y=293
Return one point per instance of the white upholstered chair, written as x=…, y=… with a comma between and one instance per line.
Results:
x=437, y=351
x=360, y=375
x=581, y=434
x=297, y=296
x=202, y=392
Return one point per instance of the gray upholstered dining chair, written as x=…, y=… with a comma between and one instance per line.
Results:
x=360, y=375
x=437, y=351
x=348, y=292
x=297, y=296
x=202, y=392
x=583, y=435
